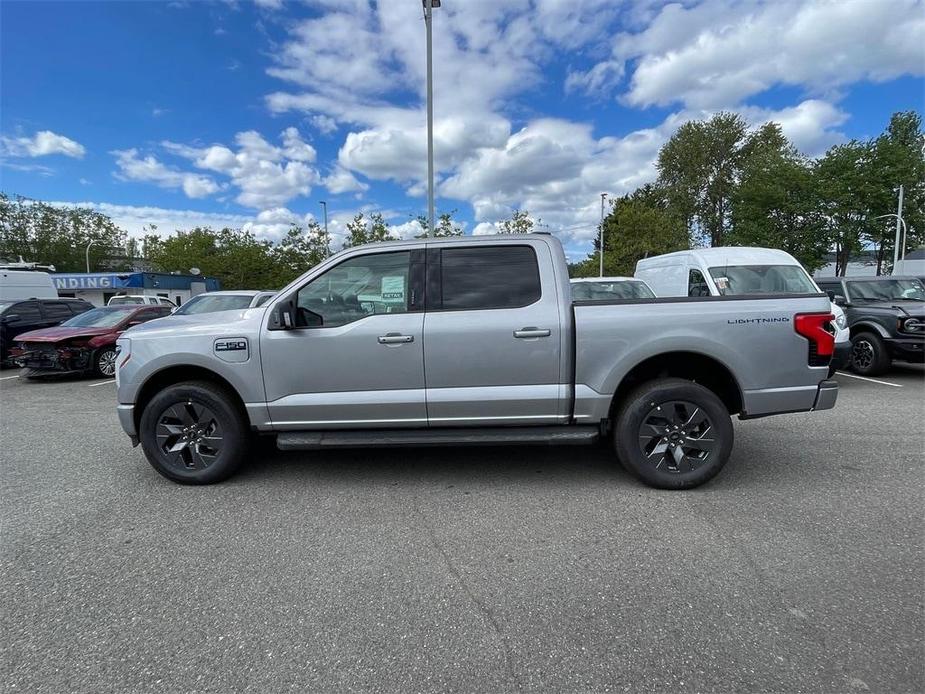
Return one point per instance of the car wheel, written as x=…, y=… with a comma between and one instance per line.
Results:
x=673, y=434
x=193, y=433
x=104, y=364
x=868, y=355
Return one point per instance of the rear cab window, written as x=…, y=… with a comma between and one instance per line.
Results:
x=490, y=277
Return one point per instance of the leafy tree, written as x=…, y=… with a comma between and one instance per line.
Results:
x=297, y=252
x=59, y=236
x=776, y=204
x=520, y=223
x=360, y=232
x=445, y=226
x=639, y=225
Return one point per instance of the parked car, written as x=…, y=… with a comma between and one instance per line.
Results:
x=210, y=302
x=84, y=344
x=607, y=288
x=17, y=317
x=469, y=340
x=841, y=358
x=139, y=299
x=26, y=284
x=886, y=317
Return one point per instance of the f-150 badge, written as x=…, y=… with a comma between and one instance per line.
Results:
x=233, y=349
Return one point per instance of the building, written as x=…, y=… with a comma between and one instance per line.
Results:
x=99, y=287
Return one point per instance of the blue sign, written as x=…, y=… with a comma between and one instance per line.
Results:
x=92, y=281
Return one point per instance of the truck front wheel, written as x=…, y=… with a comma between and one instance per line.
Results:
x=193, y=433
x=673, y=434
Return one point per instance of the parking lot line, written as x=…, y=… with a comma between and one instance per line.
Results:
x=102, y=383
x=872, y=380
x=7, y=378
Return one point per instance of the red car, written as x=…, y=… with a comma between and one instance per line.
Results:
x=83, y=344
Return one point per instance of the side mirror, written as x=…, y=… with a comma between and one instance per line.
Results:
x=839, y=300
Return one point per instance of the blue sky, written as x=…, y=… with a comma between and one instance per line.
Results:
x=249, y=113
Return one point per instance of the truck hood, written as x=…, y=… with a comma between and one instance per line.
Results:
x=898, y=307
x=218, y=323
x=59, y=333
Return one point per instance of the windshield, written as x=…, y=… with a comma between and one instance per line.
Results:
x=262, y=299
x=117, y=300
x=99, y=318
x=886, y=290
x=733, y=280
x=210, y=304
x=4, y=305
x=608, y=291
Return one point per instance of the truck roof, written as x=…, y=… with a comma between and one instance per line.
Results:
x=465, y=238
x=724, y=255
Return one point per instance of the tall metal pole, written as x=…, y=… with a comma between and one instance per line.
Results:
x=899, y=216
x=327, y=239
x=601, y=250
x=428, y=9
x=88, y=255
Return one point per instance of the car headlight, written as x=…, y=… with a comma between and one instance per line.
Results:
x=841, y=321
x=911, y=325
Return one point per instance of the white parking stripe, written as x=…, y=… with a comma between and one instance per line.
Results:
x=872, y=380
x=7, y=378
x=102, y=383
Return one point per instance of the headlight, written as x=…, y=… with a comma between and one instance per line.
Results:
x=911, y=325
x=841, y=321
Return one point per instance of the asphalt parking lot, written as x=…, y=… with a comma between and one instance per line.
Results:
x=799, y=569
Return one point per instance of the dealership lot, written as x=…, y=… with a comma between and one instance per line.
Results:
x=799, y=568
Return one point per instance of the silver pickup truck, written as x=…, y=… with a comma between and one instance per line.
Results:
x=472, y=340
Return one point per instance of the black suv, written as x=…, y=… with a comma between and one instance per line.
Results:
x=21, y=315
x=886, y=316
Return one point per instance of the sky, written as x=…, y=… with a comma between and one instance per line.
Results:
x=249, y=113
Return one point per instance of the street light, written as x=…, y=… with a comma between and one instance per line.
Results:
x=88, y=255
x=327, y=239
x=428, y=7
x=896, y=251
x=603, y=197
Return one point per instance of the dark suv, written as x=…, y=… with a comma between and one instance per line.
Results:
x=886, y=316
x=21, y=315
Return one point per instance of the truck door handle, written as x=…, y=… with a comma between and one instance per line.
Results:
x=532, y=332
x=395, y=338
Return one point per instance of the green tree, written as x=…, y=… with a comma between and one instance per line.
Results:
x=639, y=225
x=359, y=231
x=444, y=226
x=297, y=252
x=520, y=223
x=59, y=236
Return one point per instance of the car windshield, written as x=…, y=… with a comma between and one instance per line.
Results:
x=210, y=304
x=99, y=318
x=4, y=305
x=118, y=300
x=733, y=280
x=886, y=290
x=608, y=291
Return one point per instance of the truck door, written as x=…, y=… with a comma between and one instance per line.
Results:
x=491, y=336
x=354, y=358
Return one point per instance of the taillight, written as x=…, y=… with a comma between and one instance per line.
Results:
x=812, y=326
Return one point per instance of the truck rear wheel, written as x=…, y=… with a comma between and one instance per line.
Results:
x=673, y=434
x=193, y=433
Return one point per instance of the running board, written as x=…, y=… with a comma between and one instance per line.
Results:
x=486, y=436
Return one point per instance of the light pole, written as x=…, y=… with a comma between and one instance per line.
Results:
x=601, y=250
x=88, y=255
x=429, y=5
x=899, y=221
x=327, y=239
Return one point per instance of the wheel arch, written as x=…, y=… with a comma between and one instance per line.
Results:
x=186, y=373
x=868, y=327
x=692, y=366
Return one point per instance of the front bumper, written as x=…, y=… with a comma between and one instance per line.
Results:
x=51, y=358
x=841, y=358
x=127, y=420
x=907, y=348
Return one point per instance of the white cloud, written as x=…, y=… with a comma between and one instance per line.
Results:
x=269, y=4
x=717, y=53
x=132, y=167
x=809, y=125
x=275, y=222
x=324, y=124
x=138, y=220
x=42, y=144
x=342, y=181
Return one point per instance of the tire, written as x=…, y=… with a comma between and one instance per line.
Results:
x=869, y=356
x=217, y=433
x=104, y=362
x=681, y=446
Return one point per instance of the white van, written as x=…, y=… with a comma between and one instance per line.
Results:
x=26, y=284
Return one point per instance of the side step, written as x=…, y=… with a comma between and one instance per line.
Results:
x=486, y=436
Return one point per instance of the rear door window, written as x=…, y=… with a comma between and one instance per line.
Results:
x=27, y=311
x=56, y=311
x=697, y=284
x=492, y=277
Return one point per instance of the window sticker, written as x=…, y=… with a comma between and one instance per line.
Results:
x=393, y=287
